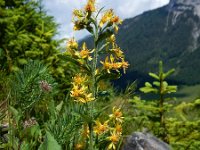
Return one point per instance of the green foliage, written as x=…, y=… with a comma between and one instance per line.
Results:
x=49, y=143
x=25, y=33
x=33, y=86
x=155, y=110
x=177, y=125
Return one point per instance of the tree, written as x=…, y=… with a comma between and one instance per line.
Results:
x=26, y=32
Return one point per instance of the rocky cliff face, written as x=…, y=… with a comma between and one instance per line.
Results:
x=177, y=8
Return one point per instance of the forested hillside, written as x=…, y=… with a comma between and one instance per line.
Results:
x=170, y=34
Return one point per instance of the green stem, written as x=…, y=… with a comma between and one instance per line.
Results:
x=161, y=101
x=94, y=84
x=161, y=105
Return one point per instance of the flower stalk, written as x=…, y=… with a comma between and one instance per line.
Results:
x=85, y=90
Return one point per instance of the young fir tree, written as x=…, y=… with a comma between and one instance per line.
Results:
x=154, y=111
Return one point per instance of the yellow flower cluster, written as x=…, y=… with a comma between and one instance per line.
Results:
x=111, y=64
x=84, y=53
x=116, y=115
x=101, y=128
x=81, y=17
x=80, y=91
x=72, y=44
x=110, y=19
x=116, y=60
x=113, y=126
x=116, y=132
x=90, y=6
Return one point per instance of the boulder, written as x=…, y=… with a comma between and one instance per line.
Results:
x=144, y=141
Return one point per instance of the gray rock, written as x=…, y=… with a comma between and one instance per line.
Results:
x=144, y=141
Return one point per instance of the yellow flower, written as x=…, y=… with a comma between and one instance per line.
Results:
x=100, y=128
x=77, y=91
x=72, y=45
x=118, y=52
x=116, y=28
x=116, y=20
x=112, y=38
x=116, y=66
x=106, y=17
x=80, y=91
x=89, y=97
x=114, y=138
x=107, y=65
x=78, y=13
x=90, y=6
x=79, y=146
x=117, y=115
x=79, y=79
x=86, y=131
x=124, y=65
x=85, y=53
x=111, y=65
x=118, y=128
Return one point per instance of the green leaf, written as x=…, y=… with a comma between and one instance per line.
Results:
x=197, y=102
x=165, y=75
x=172, y=89
x=148, y=90
x=153, y=75
x=50, y=143
x=24, y=146
x=17, y=115
x=59, y=106
x=74, y=61
x=147, y=84
x=156, y=83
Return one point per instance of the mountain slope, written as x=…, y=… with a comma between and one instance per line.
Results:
x=171, y=34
